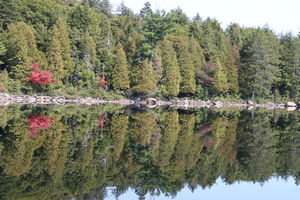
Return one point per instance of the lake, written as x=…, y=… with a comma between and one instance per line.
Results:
x=109, y=152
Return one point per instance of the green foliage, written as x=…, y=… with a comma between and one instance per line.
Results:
x=170, y=129
x=146, y=82
x=219, y=80
x=187, y=70
x=231, y=64
x=55, y=59
x=21, y=51
x=259, y=69
x=155, y=153
x=9, y=13
x=212, y=40
x=120, y=79
x=88, y=51
x=82, y=39
x=171, y=74
x=2, y=49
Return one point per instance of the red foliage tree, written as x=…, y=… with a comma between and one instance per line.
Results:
x=102, y=82
x=40, y=78
x=102, y=119
x=37, y=123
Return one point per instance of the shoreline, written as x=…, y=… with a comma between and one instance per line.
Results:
x=6, y=99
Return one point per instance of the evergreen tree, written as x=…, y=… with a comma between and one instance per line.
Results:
x=220, y=84
x=120, y=79
x=231, y=66
x=213, y=39
x=187, y=70
x=197, y=55
x=294, y=75
x=88, y=51
x=259, y=68
x=21, y=51
x=55, y=59
x=171, y=74
x=65, y=48
x=130, y=48
x=146, y=79
x=236, y=35
x=2, y=50
x=9, y=13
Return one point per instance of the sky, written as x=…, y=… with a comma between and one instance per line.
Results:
x=282, y=16
x=275, y=189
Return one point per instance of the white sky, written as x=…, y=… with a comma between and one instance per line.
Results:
x=280, y=15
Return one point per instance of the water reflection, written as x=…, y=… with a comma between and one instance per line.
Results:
x=78, y=152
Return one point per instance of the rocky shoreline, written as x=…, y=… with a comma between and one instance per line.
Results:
x=6, y=99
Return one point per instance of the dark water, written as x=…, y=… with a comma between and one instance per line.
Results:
x=103, y=152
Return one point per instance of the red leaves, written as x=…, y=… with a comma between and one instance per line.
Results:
x=37, y=123
x=38, y=77
x=102, y=120
x=207, y=81
x=102, y=82
x=205, y=128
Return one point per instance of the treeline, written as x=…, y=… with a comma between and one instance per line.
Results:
x=150, y=53
x=87, y=150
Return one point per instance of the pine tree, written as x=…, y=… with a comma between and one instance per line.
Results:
x=21, y=51
x=120, y=79
x=213, y=39
x=259, y=68
x=171, y=74
x=187, y=70
x=146, y=79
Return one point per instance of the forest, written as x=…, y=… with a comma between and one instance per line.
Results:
x=71, y=152
x=85, y=48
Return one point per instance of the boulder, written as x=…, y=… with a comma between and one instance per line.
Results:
x=218, y=104
x=291, y=104
x=250, y=102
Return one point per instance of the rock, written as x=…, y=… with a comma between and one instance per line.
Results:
x=290, y=109
x=250, y=102
x=218, y=104
x=291, y=104
x=250, y=107
x=271, y=105
x=151, y=102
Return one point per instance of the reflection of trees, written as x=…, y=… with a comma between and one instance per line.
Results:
x=170, y=128
x=257, y=144
x=149, y=152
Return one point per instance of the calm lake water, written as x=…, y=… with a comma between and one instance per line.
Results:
x=109, y=152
